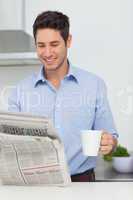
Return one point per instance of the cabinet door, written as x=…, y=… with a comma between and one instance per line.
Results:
x=11, y=14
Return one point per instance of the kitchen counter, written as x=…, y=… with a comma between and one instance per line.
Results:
x=109, y=185
x=77, y=191
x=105, y=172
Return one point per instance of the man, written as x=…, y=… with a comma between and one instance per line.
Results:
x=73, y=98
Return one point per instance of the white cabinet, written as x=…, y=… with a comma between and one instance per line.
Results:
x=11, y=14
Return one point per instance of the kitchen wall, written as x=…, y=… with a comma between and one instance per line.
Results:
x=102, y=43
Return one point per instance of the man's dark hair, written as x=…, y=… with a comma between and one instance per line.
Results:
x=53, y=20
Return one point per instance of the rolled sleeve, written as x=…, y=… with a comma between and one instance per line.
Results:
x=103, y=115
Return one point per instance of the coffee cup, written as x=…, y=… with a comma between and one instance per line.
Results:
x=91, y=142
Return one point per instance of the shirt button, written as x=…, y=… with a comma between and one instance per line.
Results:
x=57, y=105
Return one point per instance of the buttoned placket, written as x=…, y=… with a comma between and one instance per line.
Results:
x=57, y=106
x=57, y=111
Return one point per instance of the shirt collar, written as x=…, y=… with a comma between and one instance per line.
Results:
x=71, y=75
x=40, y=78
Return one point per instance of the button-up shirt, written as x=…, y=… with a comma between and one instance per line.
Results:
x=79, y=103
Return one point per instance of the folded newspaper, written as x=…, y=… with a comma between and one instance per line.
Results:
x=31, y=153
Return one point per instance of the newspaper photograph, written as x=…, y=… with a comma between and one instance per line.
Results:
x=31, y=153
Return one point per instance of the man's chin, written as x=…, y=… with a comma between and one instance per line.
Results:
x=50, y=68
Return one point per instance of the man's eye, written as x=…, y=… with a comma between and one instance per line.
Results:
x=41, y=46
x=54, y=45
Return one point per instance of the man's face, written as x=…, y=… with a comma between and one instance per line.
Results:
x=51, y=48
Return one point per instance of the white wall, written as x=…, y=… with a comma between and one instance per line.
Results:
x=102, y=43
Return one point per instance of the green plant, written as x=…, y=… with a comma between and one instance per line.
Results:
x=120, y=151
x=107, y=157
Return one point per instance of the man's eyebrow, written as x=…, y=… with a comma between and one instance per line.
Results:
x=52, y=42
x=40, y=42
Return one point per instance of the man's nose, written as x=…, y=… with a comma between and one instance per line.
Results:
x=48, y=52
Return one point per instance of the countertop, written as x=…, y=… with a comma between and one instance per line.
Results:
x=77, y=191
x=109, y=185
x=105, y=172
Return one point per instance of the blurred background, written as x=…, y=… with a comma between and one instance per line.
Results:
x=102, y=43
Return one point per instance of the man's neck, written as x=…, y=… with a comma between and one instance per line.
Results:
x=57, y=75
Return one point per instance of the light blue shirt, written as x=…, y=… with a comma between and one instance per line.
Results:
x=79, y=103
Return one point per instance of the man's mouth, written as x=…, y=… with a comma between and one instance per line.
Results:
x=49, y=61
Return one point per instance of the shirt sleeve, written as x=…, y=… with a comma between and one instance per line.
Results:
x=103, y=115
x=13, y=100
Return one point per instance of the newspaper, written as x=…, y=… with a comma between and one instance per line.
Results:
x=31, y=152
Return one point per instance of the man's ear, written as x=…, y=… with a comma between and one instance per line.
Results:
x=69, y=41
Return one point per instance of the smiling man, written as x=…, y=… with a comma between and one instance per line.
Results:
x=73, y=98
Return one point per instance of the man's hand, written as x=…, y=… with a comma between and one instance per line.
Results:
x=108, y=143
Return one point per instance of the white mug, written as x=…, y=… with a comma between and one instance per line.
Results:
x=91, y=142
